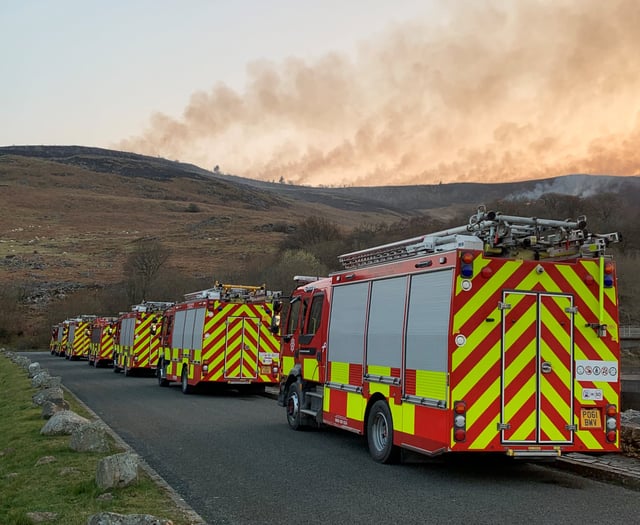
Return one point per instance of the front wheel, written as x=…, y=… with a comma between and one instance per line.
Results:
x=380, y=434
x=293, y=405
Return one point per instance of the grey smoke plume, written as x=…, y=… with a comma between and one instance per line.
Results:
x=497, y=91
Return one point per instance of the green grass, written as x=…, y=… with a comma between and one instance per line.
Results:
x=67, y=485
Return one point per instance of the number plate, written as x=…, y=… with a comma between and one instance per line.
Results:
x=590, y=418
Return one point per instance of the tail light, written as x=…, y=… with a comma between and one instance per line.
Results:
x=611, y=423
x=466, y=265
x=459, y=421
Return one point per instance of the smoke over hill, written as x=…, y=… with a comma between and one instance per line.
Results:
x=482, y=92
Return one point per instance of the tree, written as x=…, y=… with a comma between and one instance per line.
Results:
x=141, y=268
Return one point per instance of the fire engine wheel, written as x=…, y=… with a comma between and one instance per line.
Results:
x=293, y=405
x=162, y=381
x=380, y=434
x=184, y=382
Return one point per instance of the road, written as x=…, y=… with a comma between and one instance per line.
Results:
x=233, y=458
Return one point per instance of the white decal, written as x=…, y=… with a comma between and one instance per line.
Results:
x=592, y=394
x=606, y=371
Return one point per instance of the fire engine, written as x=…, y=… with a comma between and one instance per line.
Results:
x=225, y=334
x=137, y=338
x=500, y=335
x=101, y=345
x=63, y=338
x=56, y=335
x=79, y=337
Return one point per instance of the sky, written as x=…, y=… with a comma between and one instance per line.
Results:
x=332, y=92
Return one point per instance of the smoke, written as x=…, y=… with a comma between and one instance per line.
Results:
x=490, y=93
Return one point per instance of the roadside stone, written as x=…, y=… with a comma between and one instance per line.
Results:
x=11, y=475
x=91, y=437
x=49, y=408
x=22, y=362
x=34, y=369
x=112, y=518
x=630, y=416
x=118, y=470
x=45, y=460
x=107, y=496
x=54, y=394
x=41, y=517
x=44, y=380
x=63, y=422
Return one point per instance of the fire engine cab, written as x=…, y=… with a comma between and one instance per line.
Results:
x=225, y=334
x=500, y=335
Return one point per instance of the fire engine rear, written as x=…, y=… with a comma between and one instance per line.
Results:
x=225, y=334
x=102, y=338
x=137, y=338
x=497, y=336
x=79, y=337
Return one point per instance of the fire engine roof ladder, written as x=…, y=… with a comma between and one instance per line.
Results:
x=497, y=234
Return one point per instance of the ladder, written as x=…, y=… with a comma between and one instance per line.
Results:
x=234, y=293
x=497, y=234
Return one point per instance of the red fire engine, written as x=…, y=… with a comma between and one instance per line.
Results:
x=224, y=334
x=137, y=339
x=497, y=336
x=56, y=336
x=79, y=337
x=102, y=338
x=63, y=338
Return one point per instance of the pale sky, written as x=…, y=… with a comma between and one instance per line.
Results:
x=332, y=91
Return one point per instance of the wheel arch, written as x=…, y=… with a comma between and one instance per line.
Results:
x=372, y=400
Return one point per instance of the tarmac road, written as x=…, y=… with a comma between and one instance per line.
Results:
x=233, y=458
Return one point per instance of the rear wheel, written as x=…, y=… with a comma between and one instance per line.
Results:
x=184, y=381
x=161, y=374
x=380, y=434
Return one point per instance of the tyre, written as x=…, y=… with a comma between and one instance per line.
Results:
x=293, y=405
x=184, y=381
x=161, y=373
x=380, y=434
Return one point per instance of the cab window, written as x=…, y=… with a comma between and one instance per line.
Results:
x=294, y=315
x=315, y=315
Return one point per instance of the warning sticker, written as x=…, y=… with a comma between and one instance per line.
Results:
x=592, y=394
x=606, y=371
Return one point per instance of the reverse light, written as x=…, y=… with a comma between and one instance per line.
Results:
x=459, y=421
x=611, y=423
x=466, y=265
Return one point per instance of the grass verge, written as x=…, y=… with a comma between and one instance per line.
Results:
x=63, y=483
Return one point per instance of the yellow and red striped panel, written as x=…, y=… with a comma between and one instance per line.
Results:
x=235, y=337
x=505, y=389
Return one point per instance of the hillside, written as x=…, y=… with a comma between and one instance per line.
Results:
x=71, y=215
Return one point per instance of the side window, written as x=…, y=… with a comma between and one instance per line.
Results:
x=314, y=315
x=294, y=315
